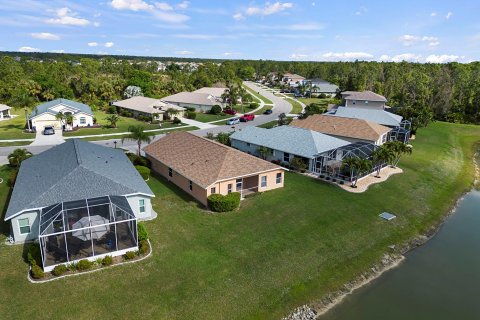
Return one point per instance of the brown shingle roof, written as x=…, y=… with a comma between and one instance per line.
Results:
x=342, y=127
x=204, y=161
x=363, y=95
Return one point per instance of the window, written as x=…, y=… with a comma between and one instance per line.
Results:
x=279, y=178
x=212, y=190
x=83, y=120
x=190, y=185
x=141, y=205
x=170, y=172
x=229, y=188
x=366, y=101
x=248, y=144
x=353, y=102
x=24, y=226
x=264, y=181
x=384, y=138
x=239, y=183
x=286, y=157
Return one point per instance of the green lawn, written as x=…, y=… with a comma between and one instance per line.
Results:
x=262, y=110
x=207, y=117
x=297, y=107
x=280, y=250
x=259, y=96
x=182, y=128
x=17, y=143
x=14, y=128
x=122, y=126
x=320, y=101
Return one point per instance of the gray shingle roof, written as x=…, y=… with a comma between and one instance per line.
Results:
x=322, y=86
x=378, y=116
x=45, y=107
x=193, y=98
x=363, y=95
x=73, y=170
x=298, y=141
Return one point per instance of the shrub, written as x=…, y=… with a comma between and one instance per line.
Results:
x=191, y=109
x=191, y=115
x=142, y=232
x=129, y=255
x=111, y=110
x=322, y=176
x=138, y=160
x=221, y=203
x=327, y=178
x=253, y=105
x=107, y=261
x=143, y=247
x=59, y=270
x=216, y=109
x=322, y=95
x=84, y=264
x=94, y=120
x=144, y=172
x=176, y=121
x=37, y=272
x=34, y=256
x=341, y=182
x=72, y=266
x=334, y=180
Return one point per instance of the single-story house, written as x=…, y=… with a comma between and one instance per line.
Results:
x=80, y=201
x=45, y=114
x=286, y=143
x=349, y=129
x=363, y=99
x=202, y=102
x=202, y=167
x=145, y=106
x=379, y=116
x=292, y=79
x=216, y=92
x=319, y=86
x=4, y=112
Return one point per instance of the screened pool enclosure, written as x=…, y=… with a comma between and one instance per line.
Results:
x=86, y=229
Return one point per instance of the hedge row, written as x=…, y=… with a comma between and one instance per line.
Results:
x=221, y=203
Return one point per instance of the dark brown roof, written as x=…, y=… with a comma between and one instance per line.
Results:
x=204, y=161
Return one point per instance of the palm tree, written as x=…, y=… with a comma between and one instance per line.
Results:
x=17, y=156
x=61, y=117
x=379, y=157
x=264, y=152
x=138, y=134
x=172, y=112
x=351, y=164
x=69, y=118
x=363, y=166
x=112, y=120
x=396, y=149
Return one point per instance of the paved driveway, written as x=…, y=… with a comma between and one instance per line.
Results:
x=43, y=140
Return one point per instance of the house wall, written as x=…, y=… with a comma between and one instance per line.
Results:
x=182, y=182
x=46, y=119
x=133, y=201
x=198, y=107
x=33, y=217
x=365, y=104
x=88, y=120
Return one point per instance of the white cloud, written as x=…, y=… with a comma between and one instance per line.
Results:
x=65, y=16
x=183, y=5
x=238, y=16
x=313, y=4
x=108, y=44
x=298, y=56
x=28, y=49
x=96, y=24
x=433, y=14
x=183, y=52
x=444, y=58
x=306, y=26
x=58, y=51
x=45, y=36
x=228, y=54
x=170, y=16
x=409, y=57
x=449, y=15
x=163, y=6
x=347, y=56
x=361, y=11
x=92, y=44
x=134, y=5
x=409, y=40
x=196, y=36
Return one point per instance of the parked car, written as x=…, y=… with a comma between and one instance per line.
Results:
x=230, y=111
x=268, y=111
x=233, y=121
x=298, y=95
x=48, y=130
x=247, y=117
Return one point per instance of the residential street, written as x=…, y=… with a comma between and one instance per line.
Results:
x=280, y=106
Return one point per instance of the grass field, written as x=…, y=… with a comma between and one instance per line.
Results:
x=259, y=96
x=323, y=102
x=207, y=117
x=262, y=110
x=13, y=128
x=182, y=128
x=17, y=143
x=280, y=250
x=296, y=107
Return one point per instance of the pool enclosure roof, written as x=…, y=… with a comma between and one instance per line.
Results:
x=362, y=150
x=84, y=214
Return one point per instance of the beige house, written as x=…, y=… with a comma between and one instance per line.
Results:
x=216, y=92
x=148, y=107
x=4, y=112
x=202, y=167
x=349, y=129
x=202, y=102
x=46, y=113
x=363, y=99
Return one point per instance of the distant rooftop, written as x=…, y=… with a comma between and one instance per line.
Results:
x=378, y=116
x=145, y=104
x=363, y=95
x=193, y=98
x=47, y=106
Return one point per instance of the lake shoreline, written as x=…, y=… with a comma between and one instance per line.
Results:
x=388, y=261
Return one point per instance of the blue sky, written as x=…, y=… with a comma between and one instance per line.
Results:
x=424, y=31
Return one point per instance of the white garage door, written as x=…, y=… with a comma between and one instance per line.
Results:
x=40, y=124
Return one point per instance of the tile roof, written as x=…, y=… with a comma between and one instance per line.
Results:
x=342, y=127
x=378, y=116
x=47, y=106
x=204, y=161
x=298, y=141
x=193, y=98
x=146, y=105
x=363, y=95
x=73, y=170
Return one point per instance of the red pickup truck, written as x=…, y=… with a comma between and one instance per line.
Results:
x=247, y=117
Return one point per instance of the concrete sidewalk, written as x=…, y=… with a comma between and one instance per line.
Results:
x=198, y=124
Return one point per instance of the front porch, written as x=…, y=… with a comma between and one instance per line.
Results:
x=247, y=185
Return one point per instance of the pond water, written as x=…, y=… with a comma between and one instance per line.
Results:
x=439, y=280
